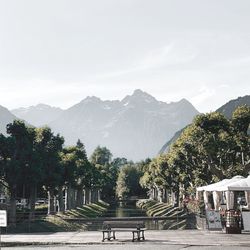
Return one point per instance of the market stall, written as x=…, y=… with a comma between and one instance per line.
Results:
x=224, y=192
x=242, y=185
x=214, y=189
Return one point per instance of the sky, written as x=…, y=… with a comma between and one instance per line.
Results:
x=60, y=51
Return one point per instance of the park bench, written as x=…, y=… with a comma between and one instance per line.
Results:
x=111, y=227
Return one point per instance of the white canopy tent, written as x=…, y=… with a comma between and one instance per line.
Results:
x=208, y=187
x=239, y=185
x=216, y=188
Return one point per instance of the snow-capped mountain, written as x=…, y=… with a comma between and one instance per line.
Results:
x=38, y=115
x=135, y=127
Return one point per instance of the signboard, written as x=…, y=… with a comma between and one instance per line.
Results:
x=246, y=220
x=3, y=218
x=213, y=219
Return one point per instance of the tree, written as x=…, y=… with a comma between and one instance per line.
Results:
x=101, y=156
x=107, y=172
x=240, y=123
x=128, y=181
x=17, y=160
x=49, y=147
x=78, y=173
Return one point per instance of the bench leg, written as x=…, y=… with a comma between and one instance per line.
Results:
x=103, y=237
x=138, y=235
x=143, y=235
x=106, y=235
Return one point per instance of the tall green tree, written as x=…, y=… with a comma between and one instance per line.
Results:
x=17, y=160
x=128, y=181
x=101, y=159
x=49, y=147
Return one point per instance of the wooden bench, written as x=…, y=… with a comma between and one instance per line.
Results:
x=111, y=227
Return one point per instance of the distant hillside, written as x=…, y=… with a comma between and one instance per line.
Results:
x=166, y=146
x=227, y=110
x=5, y=117
x=134, y=127
x=38, y=115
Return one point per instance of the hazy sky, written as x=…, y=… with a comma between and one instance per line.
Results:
x=58, y=52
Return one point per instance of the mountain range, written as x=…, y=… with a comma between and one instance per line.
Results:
x=38, y=115
x=135, y=127
x=227, y=110
x=5, y=117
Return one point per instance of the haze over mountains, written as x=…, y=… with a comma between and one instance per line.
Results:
x=38, y=115
x=5, y=117
x=227, y=110
x=135, y=127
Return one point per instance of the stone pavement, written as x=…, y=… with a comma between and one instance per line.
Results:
x=155, y=237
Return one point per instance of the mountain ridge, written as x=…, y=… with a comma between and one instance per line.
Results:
x=5, y=117
x=227, y=109
x=133, y=127
x=38, y=115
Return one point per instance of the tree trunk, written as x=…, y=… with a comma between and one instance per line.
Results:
x=177, y=199
x=79, y=197
x=98, y=195
x=159, y=194
x=173, y=197
x=242, y=158
x=156, y=193
x=32, y=201
x=73, y=197
x=86, y=196
x=69, y=198
x=61, y=205
x=164, y=195
x=51, y=202
x=66, y=205
x=12, y=218
x=150, y=193
x=93, y=195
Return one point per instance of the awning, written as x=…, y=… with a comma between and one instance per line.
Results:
x=217, y=185
x=240, y=185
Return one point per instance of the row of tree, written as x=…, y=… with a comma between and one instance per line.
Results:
x=210, y=149
x=34, y=162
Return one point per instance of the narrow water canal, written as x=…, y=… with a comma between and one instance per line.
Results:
x=124, y=209
x=121, y=210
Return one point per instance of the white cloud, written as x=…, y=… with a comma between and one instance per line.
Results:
x=202, y=94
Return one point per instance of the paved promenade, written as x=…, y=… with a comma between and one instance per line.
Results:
x=161, y=237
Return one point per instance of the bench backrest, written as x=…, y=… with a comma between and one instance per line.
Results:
x=123, y=224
